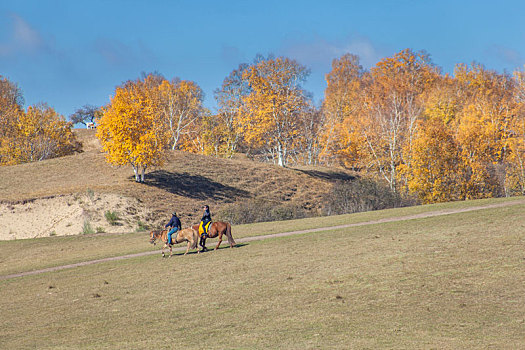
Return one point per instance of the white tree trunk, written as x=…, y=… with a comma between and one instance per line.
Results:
x=280, y=155
x=136, y=172
x=142, y=174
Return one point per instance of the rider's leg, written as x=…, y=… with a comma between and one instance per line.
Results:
x=203, y=241
x=169, y=235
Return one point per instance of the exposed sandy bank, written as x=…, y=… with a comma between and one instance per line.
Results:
x=70, y=215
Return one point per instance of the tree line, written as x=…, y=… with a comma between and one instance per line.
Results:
x=433, y=136
x=34, y=134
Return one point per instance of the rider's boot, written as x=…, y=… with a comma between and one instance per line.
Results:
x=203, y=242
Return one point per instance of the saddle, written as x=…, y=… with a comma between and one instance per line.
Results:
x=204, y=229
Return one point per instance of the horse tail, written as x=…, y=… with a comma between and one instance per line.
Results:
x=229, y=234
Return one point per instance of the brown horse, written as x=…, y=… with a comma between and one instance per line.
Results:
x=217, y=229
x=188, y=234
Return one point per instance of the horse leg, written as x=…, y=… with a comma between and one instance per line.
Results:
x=162, y=250
x=188, y=248
x=171, y=251
x=219, y=242
x=196, y=245
x=202, y=243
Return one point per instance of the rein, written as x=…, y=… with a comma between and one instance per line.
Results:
x=156, y=234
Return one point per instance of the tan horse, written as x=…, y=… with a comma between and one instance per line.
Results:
x=188, y=234
x=217, y=229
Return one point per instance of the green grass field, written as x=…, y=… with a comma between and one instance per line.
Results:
x=450, y=282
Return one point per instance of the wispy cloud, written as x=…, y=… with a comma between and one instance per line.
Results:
x=25, y=35
x=320, y=52
x=21, y=37
x=115, y=52
x=506, y=55
x=231, y=55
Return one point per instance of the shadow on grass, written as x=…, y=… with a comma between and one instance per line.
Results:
x=210, y=248
x=192, y=186
x=328, y=175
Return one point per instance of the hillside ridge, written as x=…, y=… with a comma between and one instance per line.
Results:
x=183, y=184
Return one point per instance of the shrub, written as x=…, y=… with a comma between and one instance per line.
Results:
x=141, y=226
x=259, y=210
x=112, y=217
x=360, y=195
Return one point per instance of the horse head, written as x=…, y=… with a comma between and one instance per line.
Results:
x=153, y=235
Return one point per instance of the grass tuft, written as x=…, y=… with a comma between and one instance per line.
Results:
x=141, y=226
x=91, y=194
x=112, y=217
x=86, y=228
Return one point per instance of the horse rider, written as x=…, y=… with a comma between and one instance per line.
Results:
x=206, y=218
x=174, y=226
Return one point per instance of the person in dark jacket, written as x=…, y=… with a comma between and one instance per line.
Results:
x=206, y=218
x=174, y=226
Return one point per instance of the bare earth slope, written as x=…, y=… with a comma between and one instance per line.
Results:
x=60, y=196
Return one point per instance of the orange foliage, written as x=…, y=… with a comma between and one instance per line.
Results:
x=131, y=130
x=37, y=134
x=273, y=108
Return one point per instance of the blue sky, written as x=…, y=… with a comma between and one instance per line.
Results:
x=72, y=53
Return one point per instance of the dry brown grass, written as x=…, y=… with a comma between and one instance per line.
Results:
x=183, y=184
x=449, y=282
x=27, y=255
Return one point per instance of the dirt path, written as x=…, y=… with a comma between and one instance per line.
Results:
x=283, y=234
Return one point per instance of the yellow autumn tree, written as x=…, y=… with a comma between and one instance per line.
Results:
x=484, y=129
x=436, y=173
x=209, y=136
x=37, y=134
x=179, y=103
x=272, y=110
x=392, y=104
x=516, y=140
x=11, y=106
x=338, y=137
x=131, y=129
x=229, y=99
x=307, y=146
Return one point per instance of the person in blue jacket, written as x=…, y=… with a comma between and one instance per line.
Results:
x=174, y=226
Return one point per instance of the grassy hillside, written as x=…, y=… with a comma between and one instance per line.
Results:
x=185, y=183
x=448, y=282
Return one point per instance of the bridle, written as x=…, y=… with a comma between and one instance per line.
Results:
x=153, y=239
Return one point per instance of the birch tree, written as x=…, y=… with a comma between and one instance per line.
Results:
x=130, y=129
x=180, y=104
x=274, y=106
